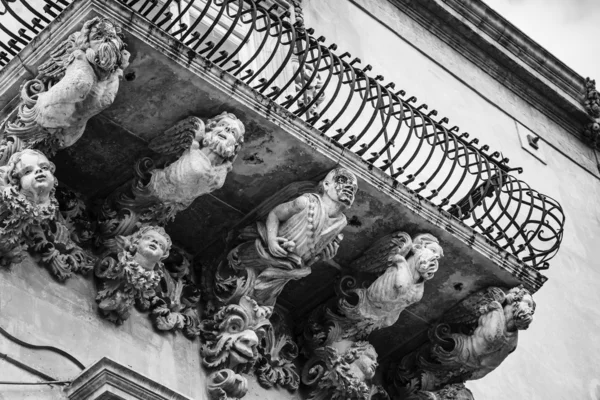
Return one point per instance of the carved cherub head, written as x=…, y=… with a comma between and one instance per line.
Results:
x=103, y=44
x=362, y=359
x=519, y=308
x=340, y=185
x=232, y=335
x=32, y=174
x=151, y=245
x=426, y=254
x=224, y=135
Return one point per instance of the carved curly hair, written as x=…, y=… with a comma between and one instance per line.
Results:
x=137, y=236
x=12, y=174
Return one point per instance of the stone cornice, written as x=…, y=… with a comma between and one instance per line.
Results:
x=107, y=379
x=507, y=54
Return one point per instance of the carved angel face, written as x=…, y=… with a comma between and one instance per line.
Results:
x=341, y=186
x=367, y=363
x=151, y=249
x=233, y=335
x=36, y=175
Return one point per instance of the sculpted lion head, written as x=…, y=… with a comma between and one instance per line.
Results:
x=231, y=337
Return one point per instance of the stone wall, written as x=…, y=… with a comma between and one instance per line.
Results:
x=556, y=358
x=38, y=310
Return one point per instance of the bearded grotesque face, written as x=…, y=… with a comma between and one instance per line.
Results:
x=224, y=135
x=520, y=308
x=105, y=47
x=34, y=174
x=341, y=186
x=232, y=336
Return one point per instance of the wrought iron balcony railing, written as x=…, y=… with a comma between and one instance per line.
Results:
x=269, y=48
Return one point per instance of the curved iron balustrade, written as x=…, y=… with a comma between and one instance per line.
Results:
x=258, y=43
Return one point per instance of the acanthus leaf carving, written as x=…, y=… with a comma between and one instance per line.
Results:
x=174, y=307
x=80, y=79
x=471, y=340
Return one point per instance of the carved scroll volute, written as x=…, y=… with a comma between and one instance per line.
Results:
x=472, y=339
x=226, y=385
x=80, y=79
x=196, y=159
x=132, y=275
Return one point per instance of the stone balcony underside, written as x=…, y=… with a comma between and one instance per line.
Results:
x=279, y=149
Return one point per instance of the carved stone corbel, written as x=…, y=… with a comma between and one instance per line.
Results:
x=174, y=307
x=472, y=339
x=29, y=217
x=133, y=275
x=80, y=79
x=231, y=337
x=196, y=161
x=295, y=235
x=344, y=370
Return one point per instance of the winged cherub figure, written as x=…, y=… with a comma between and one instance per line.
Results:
x=205, y=155
x=27, y=187
x=134, y=275
x=80, y=80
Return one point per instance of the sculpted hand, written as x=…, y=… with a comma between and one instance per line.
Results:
x=274, y=247
x=330, y=251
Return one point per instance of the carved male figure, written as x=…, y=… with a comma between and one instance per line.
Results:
x=27, y=199
x=202, y=167
x=80, y=80
x=474, y=338
x=135, y=275
x=295, y=235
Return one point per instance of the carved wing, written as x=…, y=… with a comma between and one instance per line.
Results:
x=55, y=67
x=177, y=139
x=470, y=309
x=375, y=258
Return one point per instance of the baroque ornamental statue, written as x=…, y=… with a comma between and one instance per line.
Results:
x=79, y=81
x=29, y=217
x=231, y=337
x=343, y=371
x=294, y=236
x=473, y=339
x=134, y=275
x=199, y=158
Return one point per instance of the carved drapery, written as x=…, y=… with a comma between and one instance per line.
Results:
x=80, y=79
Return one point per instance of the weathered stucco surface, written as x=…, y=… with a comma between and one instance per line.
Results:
x=558, y=357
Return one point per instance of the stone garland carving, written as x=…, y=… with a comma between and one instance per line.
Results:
x=456, y=391
x=133, y=276
x=296, y=235
x=344, y=370
x=29, y=217
x=199, y=159
x=473, y=339
x=231, y=337
x=80, y=79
